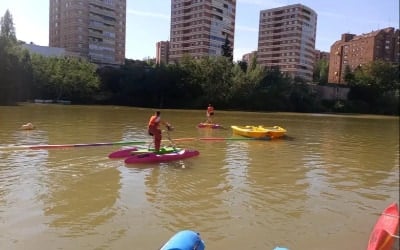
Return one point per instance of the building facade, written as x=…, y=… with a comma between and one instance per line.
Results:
x=321, y=55
x=353, y=51
x=162, y=52
x=45, y=51
x=94, y=29
x=199, y=27
x=286, y=39
x=249, y=57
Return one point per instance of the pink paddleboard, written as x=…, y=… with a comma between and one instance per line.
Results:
x=154, y=158
x=122, y=153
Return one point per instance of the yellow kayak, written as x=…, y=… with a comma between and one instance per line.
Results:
x=259, y=131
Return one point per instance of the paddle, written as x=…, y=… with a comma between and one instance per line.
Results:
x=218, y=139
x=169, y=137
x=61, y=146
x=55, y=146
x=222, y=127
x=227, y=139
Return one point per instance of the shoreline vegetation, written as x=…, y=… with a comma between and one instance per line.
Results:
x=192, y=85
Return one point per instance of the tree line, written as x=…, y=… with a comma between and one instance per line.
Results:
x=189, y=84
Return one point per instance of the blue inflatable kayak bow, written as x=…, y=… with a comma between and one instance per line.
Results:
x=184, y=240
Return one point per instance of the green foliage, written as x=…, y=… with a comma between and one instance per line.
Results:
x=64, y=78
x=227, y=50
x=349, y=77
x=7, y=27
x=217, y=84
x=375, y=88
x=25, y=76
x=320, y=74
x=193, y=83
x=273, y=91
x=8, y=72
x=243, y=65
x=15, y=72
x=382, y=75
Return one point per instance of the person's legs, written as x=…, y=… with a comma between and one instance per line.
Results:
x=157, y=139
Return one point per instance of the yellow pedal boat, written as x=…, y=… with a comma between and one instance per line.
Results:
x=259, y=132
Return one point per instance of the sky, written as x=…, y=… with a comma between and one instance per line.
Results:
x=148, y=21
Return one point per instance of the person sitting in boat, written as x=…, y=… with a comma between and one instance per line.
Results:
x=209, y=113
x=28, y=126
x=154, y=129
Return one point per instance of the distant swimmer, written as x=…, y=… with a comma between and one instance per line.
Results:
x=28, y=126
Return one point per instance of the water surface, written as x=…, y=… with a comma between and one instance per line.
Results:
x=322, y=187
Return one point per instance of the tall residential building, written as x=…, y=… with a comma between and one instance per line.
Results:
x=162, y=51
x=286, y=39
x=199, y=27
x=94, y=29
x=355, y=50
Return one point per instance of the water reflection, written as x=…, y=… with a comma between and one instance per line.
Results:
x=81, y=203
x=173, y=193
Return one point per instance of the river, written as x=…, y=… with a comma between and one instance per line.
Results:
x=321, y=187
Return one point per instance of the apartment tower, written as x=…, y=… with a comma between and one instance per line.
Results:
x=199, y=27
x=286, y=39
x=93, y=29
x=353, y=51
x=162, y=51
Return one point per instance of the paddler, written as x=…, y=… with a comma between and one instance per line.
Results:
x=209, y=113
x=154, y=129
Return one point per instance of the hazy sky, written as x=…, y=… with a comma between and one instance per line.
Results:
x=147, y=21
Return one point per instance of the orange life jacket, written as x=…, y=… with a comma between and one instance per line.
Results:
x=154, y=121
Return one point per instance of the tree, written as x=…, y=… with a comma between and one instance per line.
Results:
x=320, y=74
x=12, y=69
x=7, y=27
x=227, y=50
x=348, y=75
x=375, y=85
x=64, y=78
x=243, y=65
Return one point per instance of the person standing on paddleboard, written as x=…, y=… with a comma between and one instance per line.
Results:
x=209, y=113
x=154, y=129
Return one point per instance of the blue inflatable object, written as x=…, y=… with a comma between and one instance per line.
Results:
x=184, y=240
x=281, y=248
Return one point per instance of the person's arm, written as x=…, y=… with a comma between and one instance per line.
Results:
x=167, y=125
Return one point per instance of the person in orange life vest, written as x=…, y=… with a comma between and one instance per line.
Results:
x=154, y=129
x=209, y=113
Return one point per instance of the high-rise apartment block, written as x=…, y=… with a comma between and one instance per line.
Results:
x=162, y=52
x=286, y=39
x=93, y=29
x=199, y=27
x=353, y=51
